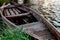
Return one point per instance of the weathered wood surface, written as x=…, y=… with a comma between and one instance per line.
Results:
x=15, y=11
x=39, y=31
x=18, y=11
x=7, y=12
x=23, y=14
x=12, y=13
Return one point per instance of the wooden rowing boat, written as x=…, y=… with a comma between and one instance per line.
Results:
x=33, y=23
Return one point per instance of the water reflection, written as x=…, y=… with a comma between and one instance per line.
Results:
x=50, y=9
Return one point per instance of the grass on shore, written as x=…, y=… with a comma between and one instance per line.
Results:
x=2, y=1
x=11, y=34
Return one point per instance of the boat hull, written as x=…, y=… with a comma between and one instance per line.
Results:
x=39, y=17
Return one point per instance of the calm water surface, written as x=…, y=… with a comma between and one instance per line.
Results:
x=49, y=6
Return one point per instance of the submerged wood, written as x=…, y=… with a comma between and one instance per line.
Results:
x=33, y=23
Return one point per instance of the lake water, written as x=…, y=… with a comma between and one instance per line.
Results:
x=49, y=8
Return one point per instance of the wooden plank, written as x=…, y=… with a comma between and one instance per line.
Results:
x=39, y=31
x=25, y=21
x=15, y=11
x=22, y=8
x=23, y=14
x=11, y=6
x=7, y=12
x=18, y=11
x=12, y=13
x=4, y=12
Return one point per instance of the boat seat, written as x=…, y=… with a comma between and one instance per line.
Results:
x=11, y=12
x=6, y=12
x=23, y=14
x=16, y=11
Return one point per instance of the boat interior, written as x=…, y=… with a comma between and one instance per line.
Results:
x=19, y=16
